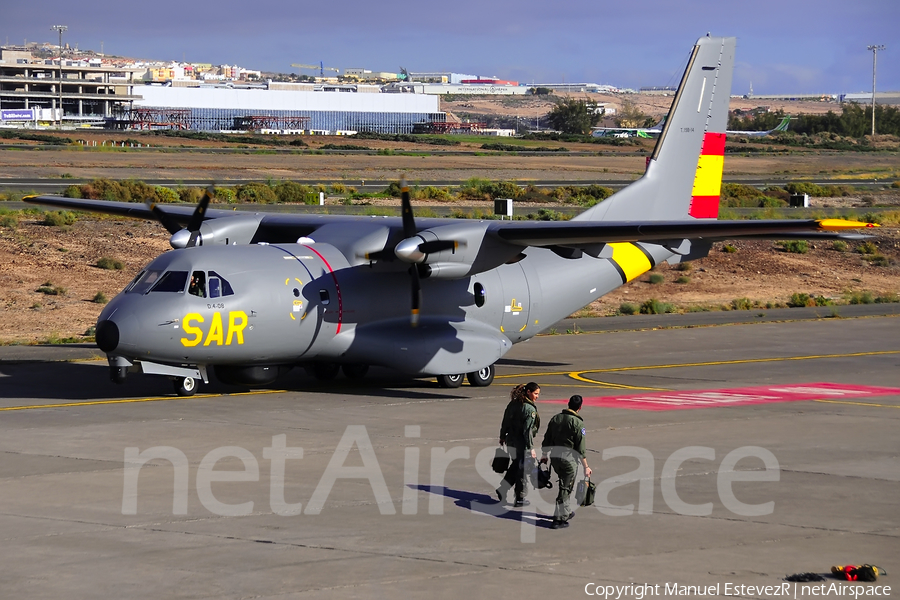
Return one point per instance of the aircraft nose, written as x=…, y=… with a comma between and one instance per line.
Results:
x=107, y=335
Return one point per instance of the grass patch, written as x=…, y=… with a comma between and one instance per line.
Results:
x=51, y=290
x=741, y=304
x=59, y=218
x=839, y=246
x=110, y=263
x=683, y=279
x=99, y=298
x=627, y=308
x=794, y=246
x=729, y=249
x=655, y=307
x=656, y=278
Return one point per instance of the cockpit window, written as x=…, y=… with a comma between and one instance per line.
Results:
x=218, y=286
x=172, y=281
x=133, y=281
x=198, y=284
x=143, y=282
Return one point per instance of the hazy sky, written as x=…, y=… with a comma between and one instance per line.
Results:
x=801, y=46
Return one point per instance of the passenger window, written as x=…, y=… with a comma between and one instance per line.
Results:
x=224, y=286
x=198, y=284
x=173, y=281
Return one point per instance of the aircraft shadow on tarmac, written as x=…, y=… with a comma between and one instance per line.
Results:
x=538, y=364
x=485, y=504
x=90, y=381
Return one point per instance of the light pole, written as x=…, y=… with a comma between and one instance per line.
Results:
x=874, y=50
x=60, y=29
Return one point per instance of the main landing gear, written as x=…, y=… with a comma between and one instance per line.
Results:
x=481, y=378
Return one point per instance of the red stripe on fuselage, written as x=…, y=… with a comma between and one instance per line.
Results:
x=336, y=287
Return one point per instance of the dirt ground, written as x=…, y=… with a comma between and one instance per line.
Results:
x=34, y=256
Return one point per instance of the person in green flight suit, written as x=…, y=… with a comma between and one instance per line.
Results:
x=564, y=444
x=520, y=425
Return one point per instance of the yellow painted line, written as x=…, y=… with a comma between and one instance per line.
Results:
x=619, y=386
x=708, y=364
x=134, y=400
x=858, y=403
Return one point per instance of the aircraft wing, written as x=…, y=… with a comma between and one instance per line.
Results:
x=577, y=233
x=287, y=227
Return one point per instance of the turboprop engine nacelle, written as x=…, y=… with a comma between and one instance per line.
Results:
x=455, y=251
x=238, y=229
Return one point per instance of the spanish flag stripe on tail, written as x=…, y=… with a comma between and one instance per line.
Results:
x=708, y=179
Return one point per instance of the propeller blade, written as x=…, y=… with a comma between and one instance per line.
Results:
x=438, y=246
x=171, y=225
x=409, y=223
x=416, y=295
x=409, y=230
x=199, y=212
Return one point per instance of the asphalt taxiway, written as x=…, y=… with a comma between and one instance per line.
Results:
x=393, y=495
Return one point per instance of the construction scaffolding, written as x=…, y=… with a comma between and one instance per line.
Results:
x=157, y=118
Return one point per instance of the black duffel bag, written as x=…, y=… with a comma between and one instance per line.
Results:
x=501, y=461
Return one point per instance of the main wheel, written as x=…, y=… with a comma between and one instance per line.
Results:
x=355, y=370
x=450, y=381
x=325, y=370
x=185, y=386
x=482, y=377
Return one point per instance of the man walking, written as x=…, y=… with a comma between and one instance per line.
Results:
x=564, y=444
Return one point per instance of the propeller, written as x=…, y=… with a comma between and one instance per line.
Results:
x=183, y=237
x=409, y=230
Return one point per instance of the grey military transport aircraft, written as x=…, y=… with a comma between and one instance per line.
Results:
x=253, y=295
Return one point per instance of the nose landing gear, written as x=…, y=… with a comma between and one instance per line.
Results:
x=185, y=386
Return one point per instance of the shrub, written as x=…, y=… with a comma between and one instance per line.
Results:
x=59, y=218
x=433, y=193
x=9, y=221
x=684, y=266
x=258, y=193
x=798, y=300
x=795, y=246
x=99, y=298
x=867, y=248
x=860, y=298
x=165, y=195
x=656, y=278
x=871, y=217
x=839, y=245
x=626, y=308
x=683, y=279
x=888, y=298
x=340, y=188
x=878, y=260
x=225, y=195
x=655, y=307
x=295, y=193
x=110, y=263
x=741, y=304
x=729, y=249
x=190, y=195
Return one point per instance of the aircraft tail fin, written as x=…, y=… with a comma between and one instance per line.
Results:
x=783, y=126
x=684, y=174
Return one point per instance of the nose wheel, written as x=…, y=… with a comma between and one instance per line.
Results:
x=185, y=386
